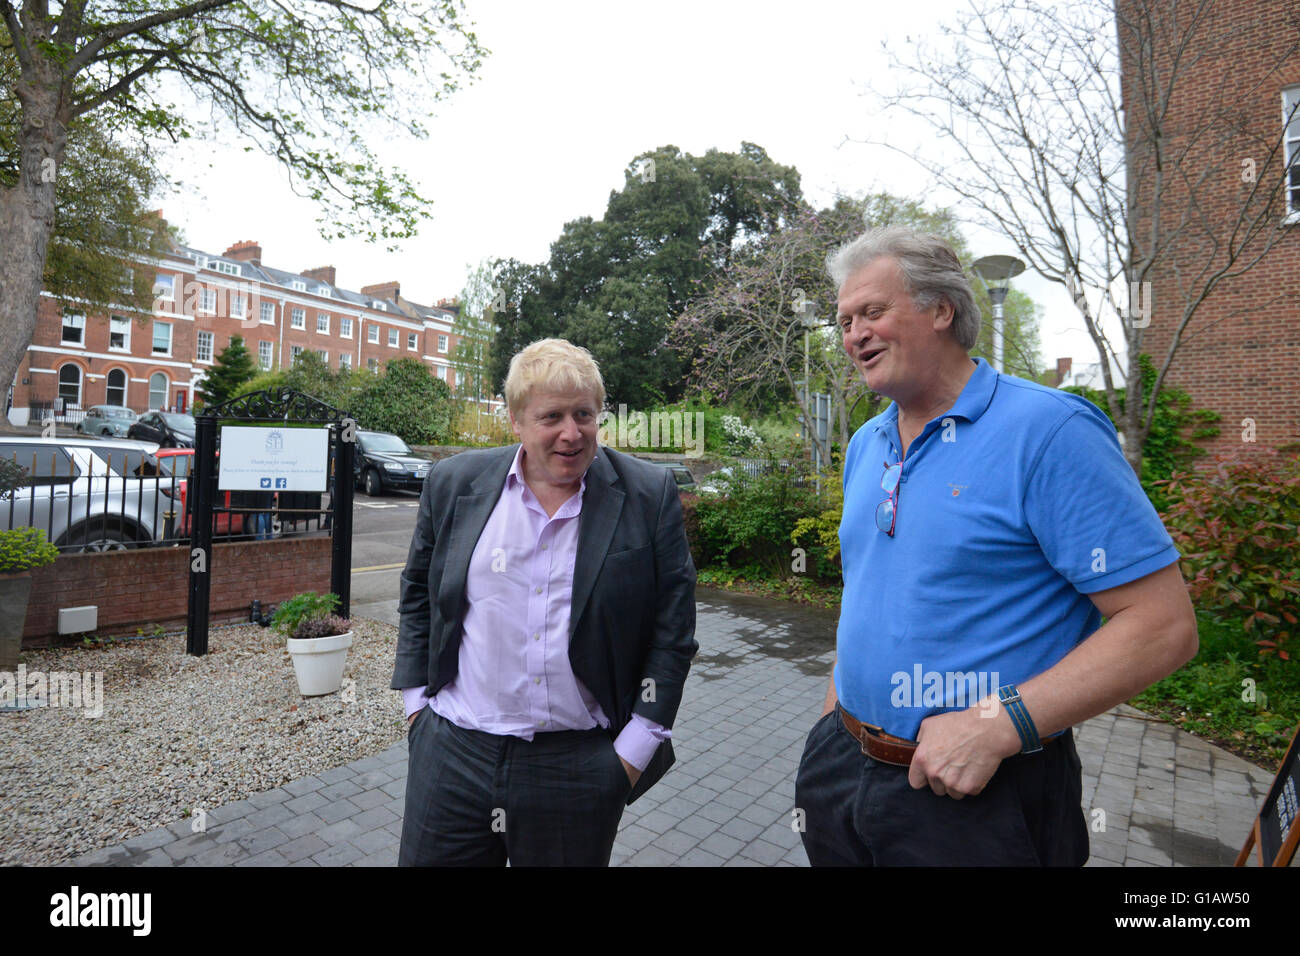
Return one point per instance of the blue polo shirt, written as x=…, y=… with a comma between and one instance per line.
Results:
x=1013, y=507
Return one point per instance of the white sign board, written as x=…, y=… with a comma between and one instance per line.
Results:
x=273, y=459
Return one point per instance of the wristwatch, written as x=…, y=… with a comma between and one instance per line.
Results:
x=1015, y=707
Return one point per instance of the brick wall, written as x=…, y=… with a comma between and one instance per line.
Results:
x=151, y=585
x=1240, y=353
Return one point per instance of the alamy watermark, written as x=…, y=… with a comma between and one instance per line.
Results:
x=84, y=691
x=670, y=430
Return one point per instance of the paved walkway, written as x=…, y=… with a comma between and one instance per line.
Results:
x=1153, y=794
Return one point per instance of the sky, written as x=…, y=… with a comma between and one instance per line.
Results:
x=570, y=92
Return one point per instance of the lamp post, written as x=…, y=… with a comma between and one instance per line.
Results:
x=808, y=319
x=996, y=272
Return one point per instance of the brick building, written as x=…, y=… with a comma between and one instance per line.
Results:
x=1227, y=133
x=156, y=360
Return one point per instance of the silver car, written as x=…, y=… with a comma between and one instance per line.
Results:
x=111, y=421
x=89, y=494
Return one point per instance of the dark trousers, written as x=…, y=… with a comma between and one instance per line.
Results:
x=478, y=799
x=861, y=812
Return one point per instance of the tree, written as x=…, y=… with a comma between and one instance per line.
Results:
x=1060, y=135
x=100, y=216
x=233, y=367
x=407, y=400
x=616, y=284
x=745, y=331
x=324, y=72
x=474, y=331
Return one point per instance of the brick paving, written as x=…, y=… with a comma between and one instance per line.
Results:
x=1153, y=795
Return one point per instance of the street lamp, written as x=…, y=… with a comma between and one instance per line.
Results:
x=808, y=319
x=996, y=272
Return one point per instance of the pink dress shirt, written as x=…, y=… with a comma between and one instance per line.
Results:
x=513, y=674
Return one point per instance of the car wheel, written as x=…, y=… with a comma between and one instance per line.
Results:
x=97, y=539
x=106, y=433
x=374, y=484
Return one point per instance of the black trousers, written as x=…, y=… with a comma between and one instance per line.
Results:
x=478, y=799
x=858, y=811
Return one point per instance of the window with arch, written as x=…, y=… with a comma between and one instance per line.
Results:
x=157, y=390
x=115, y=387
x=70, y=385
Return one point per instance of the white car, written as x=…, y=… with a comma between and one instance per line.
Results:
x=88, y=494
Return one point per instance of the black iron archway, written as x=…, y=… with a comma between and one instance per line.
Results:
x=283, y=407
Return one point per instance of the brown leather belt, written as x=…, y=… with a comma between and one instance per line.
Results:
x=887, y=748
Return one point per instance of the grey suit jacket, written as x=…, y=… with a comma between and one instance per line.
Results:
x=632, y=621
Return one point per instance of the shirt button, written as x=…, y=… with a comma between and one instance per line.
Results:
x=539, y=590
x=541, y=723
x=543, y=547
x=537, y=680
x=537, y=637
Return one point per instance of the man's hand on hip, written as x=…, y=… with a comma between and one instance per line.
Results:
x=958, y=752
x=410, y=720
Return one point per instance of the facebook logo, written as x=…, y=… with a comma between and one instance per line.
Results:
x=282, y=482
x=266, y=482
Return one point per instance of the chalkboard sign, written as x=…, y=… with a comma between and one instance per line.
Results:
x=1277, y=828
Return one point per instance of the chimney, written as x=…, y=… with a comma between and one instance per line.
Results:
x=323, y=274
x=246, y=251
x=1063, y=366
x=384, y=290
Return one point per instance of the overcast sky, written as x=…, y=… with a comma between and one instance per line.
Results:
x=570, y=92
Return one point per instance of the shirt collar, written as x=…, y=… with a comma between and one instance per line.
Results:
x=515, y=479
x=974, y=400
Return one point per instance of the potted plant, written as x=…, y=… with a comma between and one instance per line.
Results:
x=20, y=550
x=317, y=639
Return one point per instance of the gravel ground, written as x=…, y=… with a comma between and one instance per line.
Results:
x=178, y=733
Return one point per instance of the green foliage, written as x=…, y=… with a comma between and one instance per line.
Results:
x=475, y=330
x=12, y=477
x=407, y=400
x=233, y=368
x=335, y=387
x=308, y=615
x=751, y=522
x=1168, y=447
x=820, y=533
x=1236, y=530
x=25, y=548
x=616, y=284
x=1230, y=694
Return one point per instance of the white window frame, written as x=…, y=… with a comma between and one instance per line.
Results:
x=372, y=365
x=298, y=284
x=442, y=345
x=294, y=352
x=268, y=313
x=299, y=319
x=345, y=360
x=126, y=386
x=229, y=268
x=372, y=333
x=73, y=320
x=394, y=341
x=345, y=327
x=206, y=304
x=81, y=382
x=412, y=341
x=166, y=391
x=153, y=340
x=168, y=284
x=324, y=356
x=237, y=306
x=265, y=355
x=125, y=329
x=199, y=342
x=1291, y=150
x=324, y=292
x=323, y=323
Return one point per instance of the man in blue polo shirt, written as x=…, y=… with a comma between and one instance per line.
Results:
x=989, y=525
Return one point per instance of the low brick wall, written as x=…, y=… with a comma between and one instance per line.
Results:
x=151, y=585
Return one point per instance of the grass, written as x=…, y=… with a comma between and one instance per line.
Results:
x=1227, y=694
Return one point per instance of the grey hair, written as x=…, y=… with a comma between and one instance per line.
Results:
x=930, y=270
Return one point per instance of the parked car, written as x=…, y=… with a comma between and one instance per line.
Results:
x=168, y=429
x=682, y=475
x=176, y=464
x=383, y=461
x=111, y=421
x=86, y=494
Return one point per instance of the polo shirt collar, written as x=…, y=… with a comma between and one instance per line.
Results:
x=974, y=400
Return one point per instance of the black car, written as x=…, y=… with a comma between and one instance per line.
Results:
x=168, y=429
x=384, y=461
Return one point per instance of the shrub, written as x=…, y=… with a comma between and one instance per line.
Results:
x=820, y=533
x=1235, y=528
x=753, y=520
x=25, y=548
x=407, y=400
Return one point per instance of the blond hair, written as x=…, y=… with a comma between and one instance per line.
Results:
x=553, y=365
